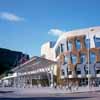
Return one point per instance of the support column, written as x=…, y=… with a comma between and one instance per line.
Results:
x=51, y=81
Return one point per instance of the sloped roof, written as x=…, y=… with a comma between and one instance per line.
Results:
x=33, y=64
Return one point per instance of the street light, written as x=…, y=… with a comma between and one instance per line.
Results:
x=88, y=61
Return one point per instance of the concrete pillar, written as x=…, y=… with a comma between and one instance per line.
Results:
x=51, y=81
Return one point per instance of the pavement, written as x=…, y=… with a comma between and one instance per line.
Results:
x=47, y=93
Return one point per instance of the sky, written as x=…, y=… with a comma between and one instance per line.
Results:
x=26, y=24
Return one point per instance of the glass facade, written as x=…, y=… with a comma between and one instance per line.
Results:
x=78, y=44
x=83, y=58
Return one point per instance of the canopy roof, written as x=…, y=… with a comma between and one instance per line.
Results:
x=33, y=64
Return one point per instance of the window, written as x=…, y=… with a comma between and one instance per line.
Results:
x=97, y=41
x=92, y=57
x=97, y=71
x=65, y=59
x=78, y=44
x=74, y=59
x=57, y=51
x=69, y=72
x=83, y=58
x=52, y=44
x=62, y=47
x=69, y=46
x=78, y=72
x=87, y=43
x=87, y=69
x=62, y=72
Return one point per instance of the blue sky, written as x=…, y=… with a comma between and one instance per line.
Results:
x=26, y=24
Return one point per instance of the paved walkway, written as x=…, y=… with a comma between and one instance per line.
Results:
x=48, y=90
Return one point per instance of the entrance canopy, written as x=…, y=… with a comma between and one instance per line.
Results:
x=35, y=65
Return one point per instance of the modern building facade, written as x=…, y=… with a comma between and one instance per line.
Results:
x=78, y=53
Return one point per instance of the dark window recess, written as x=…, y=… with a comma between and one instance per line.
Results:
x=69, y=72
x=97, y=71
x=62, y=72
x=87, y=72
x=78, y=72
x=57, y=51
x=62, y=47
x=52, y=44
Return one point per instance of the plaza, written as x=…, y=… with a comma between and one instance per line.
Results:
x=49, y=94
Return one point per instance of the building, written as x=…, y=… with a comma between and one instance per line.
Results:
x=16, y=58
x=37, y=71
x=47, y=50
x=78, y=53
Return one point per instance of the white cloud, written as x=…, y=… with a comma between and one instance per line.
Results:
x=10, y=17
x=55, y=32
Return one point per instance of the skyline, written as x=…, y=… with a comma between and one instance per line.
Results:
x=26, y=25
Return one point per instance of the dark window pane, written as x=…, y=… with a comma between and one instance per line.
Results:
x=69, y=72
x=57, y=51
x=97, y=71
x=62, y=47
x=78, y=72
x=62, y=72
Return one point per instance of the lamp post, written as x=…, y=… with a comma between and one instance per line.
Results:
x=88, y=61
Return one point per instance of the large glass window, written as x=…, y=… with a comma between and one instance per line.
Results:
x=57, y=51
x=97, y=41
x=83, y=58
x=69, y=46
x=74, y=59
x=87, y=43
x=78, y=44
x=92, y=57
